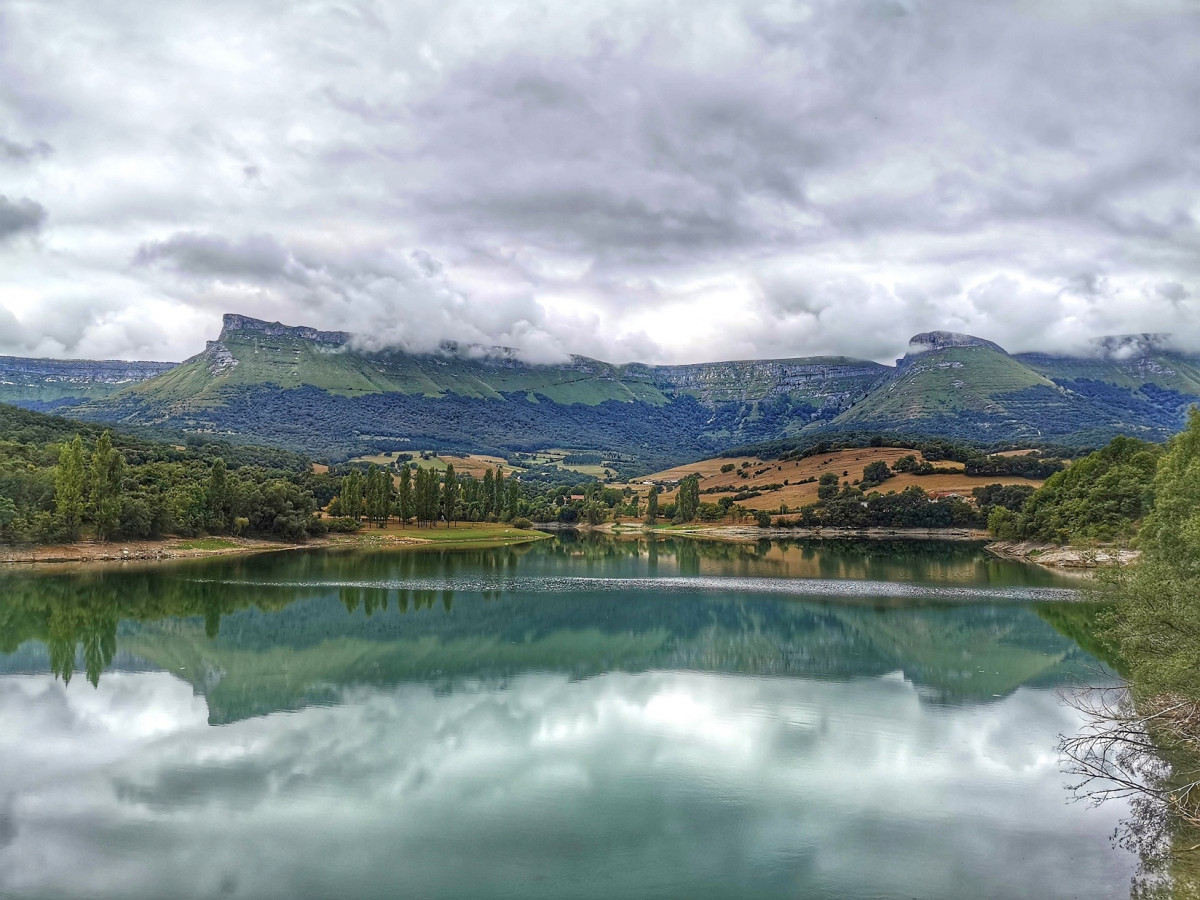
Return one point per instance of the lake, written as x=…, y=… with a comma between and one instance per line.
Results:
x=580, y=717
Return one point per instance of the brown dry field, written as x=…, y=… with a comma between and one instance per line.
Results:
x=797, y=495
x=471, y=464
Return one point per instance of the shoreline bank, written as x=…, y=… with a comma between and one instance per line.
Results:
x=178, y=548
x=1050, y=556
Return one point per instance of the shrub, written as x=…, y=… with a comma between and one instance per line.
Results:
x=343, y=525
x=521, y=522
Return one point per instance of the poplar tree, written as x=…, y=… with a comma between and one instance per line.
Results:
x=217, y=497
x=514, y=496
x=405, y=503
x=104, y=485
x=652, y=506
x=687, y=502
x=378, y=495
x=68, y=487
x=498, y=495
x=434, y=497
x=450, y=495
x=488, y=493
x=352, y=494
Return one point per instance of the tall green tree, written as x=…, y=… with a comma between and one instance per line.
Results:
x=105, y=476
x=499, y=494
x=404, y=502
x=218, y=498
x=512, y=498
x=687, y=502
x=652, y=506
x=352, y=494
x=69, y=488
x=488, y=494
x=378, y=495
x=450, y=495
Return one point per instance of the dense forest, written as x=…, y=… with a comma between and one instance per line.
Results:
x=62, y=480
x=1103, y=496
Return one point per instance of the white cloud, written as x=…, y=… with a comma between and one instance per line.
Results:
x=544, y=787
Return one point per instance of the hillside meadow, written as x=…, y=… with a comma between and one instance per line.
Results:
x=793, y=483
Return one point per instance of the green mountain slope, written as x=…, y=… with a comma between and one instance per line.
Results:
x=964, y=387
x=315, y=390
x=319, y=393
x=956, y=374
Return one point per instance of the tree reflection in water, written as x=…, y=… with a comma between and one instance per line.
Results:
x=1146, y=754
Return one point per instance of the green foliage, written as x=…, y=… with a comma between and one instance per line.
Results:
x=451, y=495
x=1103, y=496
x=1158, y=628
x=827, y=487
x=876, y=473
x=687, y=501
x=911, y=508
x=68, y=488
x=352, y=494
x=405, y=507
x=105, y=475
x=652, y=506
x=61, y=480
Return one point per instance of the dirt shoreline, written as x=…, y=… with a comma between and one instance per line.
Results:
x=1054, y=556
x=1047, y=555
x=1050, y=556
x=178, y=548
x=754, y=533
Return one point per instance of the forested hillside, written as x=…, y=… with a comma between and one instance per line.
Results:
x=61, y=480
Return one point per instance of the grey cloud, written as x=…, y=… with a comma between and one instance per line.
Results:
x=584, y=172
x=18, y=152
x=22, y=216
x=255, y=256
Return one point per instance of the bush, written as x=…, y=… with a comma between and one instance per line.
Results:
x=521, y=522
x=764, y=518
x=344, y=525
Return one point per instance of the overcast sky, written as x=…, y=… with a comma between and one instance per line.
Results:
x=661, y=180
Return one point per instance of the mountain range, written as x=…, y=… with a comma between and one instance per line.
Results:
x=316, y=391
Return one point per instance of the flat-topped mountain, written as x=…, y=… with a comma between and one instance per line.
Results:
x=320, y=392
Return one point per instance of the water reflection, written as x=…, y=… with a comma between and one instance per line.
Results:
x=661, y=784
x=567, y=719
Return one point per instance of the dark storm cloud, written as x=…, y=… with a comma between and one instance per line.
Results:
x=20, y=216
x=666, y=180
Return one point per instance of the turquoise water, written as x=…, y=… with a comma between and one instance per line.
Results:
x=574, y=718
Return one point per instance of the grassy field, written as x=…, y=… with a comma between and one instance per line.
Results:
x=764, y=473
x=468, y=534
x=554, y=456
x=208, y=543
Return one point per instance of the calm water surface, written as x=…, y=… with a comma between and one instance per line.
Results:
x=575, y=718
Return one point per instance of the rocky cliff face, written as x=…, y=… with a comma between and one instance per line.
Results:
x=934, y=341
x=49, y=383
x=832, y=381
x=233, y=325
x=18, y=370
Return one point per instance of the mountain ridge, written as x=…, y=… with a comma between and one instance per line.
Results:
x=305, y=388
